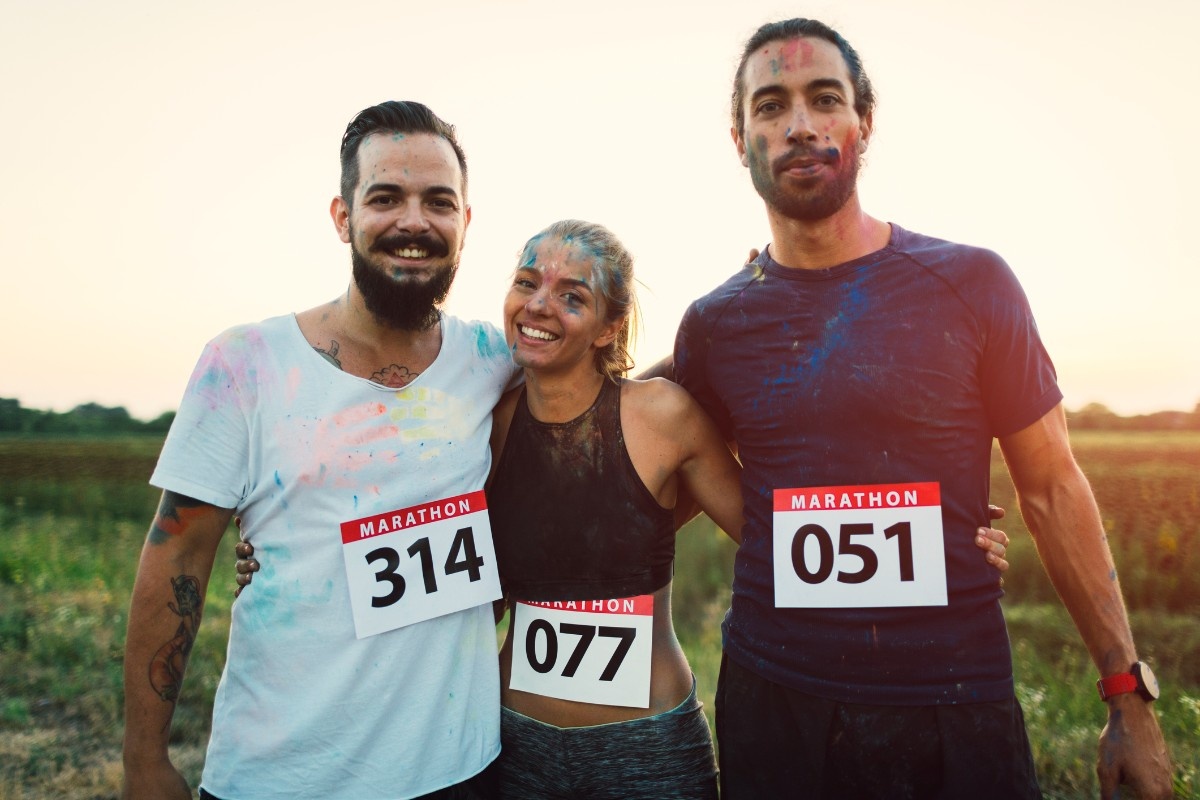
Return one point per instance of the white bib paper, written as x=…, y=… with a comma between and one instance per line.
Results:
x=859, y=546
x=421, y=562
x=588, y=651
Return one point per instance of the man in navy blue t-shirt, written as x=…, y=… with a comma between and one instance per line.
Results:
x=863, y=371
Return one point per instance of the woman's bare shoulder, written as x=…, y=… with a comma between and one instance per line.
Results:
x=657, y=400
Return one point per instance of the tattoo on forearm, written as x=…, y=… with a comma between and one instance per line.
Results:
x=394, y=376
x=331, y=355
x=174, y=513
x=167, y=665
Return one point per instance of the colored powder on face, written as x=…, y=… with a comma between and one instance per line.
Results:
x=794, y=54
x=756, y=157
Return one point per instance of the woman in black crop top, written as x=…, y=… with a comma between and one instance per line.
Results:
x=586, y=470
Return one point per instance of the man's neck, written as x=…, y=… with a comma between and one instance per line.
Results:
x=825, y=243
x=347, y=335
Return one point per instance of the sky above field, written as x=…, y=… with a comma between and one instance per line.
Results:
x=167, y=167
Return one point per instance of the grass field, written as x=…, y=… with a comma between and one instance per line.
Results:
x=73, y=514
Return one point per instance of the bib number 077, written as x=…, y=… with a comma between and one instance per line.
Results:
x=586, y=634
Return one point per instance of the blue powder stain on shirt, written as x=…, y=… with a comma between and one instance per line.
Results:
x=278, y=480
x=355, y=502
x=490, y=345
x=853, y=306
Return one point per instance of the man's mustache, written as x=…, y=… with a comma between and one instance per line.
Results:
x=390, y=244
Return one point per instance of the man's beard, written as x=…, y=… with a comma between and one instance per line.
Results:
x=404, y=303
x=808, y=205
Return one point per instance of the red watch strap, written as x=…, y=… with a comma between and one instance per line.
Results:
x=1116, y=684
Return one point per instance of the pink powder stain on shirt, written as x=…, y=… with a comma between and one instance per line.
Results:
x=293, y=385
x=230, y=367
x=343, y=444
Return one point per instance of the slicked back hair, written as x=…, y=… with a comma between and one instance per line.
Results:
x=864, y=92
x=393, y=116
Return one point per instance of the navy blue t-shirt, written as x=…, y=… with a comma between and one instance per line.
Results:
x=899, y=367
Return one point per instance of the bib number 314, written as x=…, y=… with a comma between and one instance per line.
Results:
x=859, y=546
x=413, y=564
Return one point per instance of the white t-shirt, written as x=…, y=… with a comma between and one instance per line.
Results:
x=297, y=446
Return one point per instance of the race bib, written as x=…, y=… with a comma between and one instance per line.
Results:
x=589, y=651
x=417, y=563
x=859, y=546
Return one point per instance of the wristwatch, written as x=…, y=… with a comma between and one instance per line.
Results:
x=1140, y=679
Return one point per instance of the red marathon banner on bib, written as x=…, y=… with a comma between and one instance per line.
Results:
x=410, y=517
x=835, y=498
x=641, y=606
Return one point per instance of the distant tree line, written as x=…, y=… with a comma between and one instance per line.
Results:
x=1098, y=417
x=90, y=419
x=94, y=419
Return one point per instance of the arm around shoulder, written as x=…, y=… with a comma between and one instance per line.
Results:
x=164, y=616
x=708, y=472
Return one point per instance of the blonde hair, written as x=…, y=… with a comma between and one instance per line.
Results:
x=612, y=276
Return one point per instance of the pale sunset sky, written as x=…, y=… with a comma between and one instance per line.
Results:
x=167, y=167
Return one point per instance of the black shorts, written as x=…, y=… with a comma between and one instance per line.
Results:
x=777, y=742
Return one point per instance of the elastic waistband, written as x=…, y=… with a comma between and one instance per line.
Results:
x=686, y=706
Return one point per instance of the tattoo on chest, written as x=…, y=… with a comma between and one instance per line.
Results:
x=394, y=376
x=331, y=355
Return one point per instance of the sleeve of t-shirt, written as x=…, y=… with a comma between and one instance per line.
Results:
x=692, y=346
x=1017, y=376
x=206, y=453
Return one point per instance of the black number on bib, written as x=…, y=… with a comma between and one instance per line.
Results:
x=870, y=562
x=901, y=531
x=824, y=542
x=586, y=634
x=470, y=563
x=626, y=635
x=389, y=574
x=531, y=646
x=421, y=546
x=904, y=531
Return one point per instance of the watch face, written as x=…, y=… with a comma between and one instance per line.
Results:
x=1147, y=683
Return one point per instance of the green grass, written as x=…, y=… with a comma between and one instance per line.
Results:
x=73, y=515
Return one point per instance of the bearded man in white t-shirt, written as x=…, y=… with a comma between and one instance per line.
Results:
x=352, y=442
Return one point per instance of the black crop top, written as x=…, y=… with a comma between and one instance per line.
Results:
x=571, y=519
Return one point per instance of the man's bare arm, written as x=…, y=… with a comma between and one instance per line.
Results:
x=164, y=617
x=1061, y=514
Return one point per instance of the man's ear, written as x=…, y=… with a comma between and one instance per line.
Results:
x=866, y=126
x=340, y=212
x=740, y=145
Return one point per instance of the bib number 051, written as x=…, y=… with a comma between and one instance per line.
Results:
x=859, y=546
